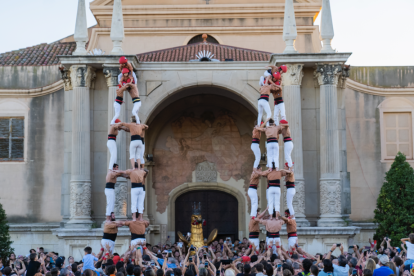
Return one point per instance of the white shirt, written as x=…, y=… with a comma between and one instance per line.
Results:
x=410, y=250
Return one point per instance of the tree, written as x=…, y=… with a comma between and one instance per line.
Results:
x=395, y=204
x=5, y=242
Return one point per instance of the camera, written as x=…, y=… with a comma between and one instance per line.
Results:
x=190, y=259
x=354, y=272
x=206, y=264
x=338, y=244
x=279, y=265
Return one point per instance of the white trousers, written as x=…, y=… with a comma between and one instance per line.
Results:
x=273, y=199
x=253, y=201
x=279, y=108
x=117, y=110
x=142, y=154
x=256, y=242
x=256, y=150
x=290, y=193
x=263, y=105
x=135, y=110
x=135, y=242
x=135, y=148
x=110, y=201
x=111, y=244
x=111, y=144
x=272, y=154
x=137, y=200
x=261, y=81
x=288, y=147
x=292, y=242
x=274, y=240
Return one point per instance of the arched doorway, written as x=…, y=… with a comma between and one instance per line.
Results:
x=219, y=209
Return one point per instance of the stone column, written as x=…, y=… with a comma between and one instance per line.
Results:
x=80, y=184
x=292, y=81
x=330, y=181
x=67, y=139
x=121, y=186
x=117, y=28
x=289, y=28
x=81, y=29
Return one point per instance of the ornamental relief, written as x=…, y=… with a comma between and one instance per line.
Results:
x=330, y=197
x=328, y=74
x=80, y=199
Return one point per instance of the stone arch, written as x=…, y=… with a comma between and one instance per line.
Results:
x=245, y=93
x=216, y=37
x=396, y=103
x=188, y=187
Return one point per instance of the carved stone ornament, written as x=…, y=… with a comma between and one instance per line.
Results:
x=294, y=75
x=299, y=198
x=328, y=74
x=82, y=76
x=111, y=75
x=121, y=199
x=344, y=76
x=206, y=172
x=330, y=197
x=65, y=74
x=80, y=199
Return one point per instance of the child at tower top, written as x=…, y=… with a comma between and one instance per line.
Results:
x=273, y=75
x=125, y=64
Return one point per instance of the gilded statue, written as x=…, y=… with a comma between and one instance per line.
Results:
x=197, y=238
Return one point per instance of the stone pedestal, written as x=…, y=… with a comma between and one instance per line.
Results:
x=80, y=183
x=121, y=186
x=330, y=180
x=292, y=81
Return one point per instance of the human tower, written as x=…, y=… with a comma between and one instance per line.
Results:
x=270, y=83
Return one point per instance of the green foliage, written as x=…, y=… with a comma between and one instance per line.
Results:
x=5, y=242
x=395, y=204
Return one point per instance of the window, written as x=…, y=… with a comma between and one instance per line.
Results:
x=397, y=134
x=11, y=139
x=199, y=39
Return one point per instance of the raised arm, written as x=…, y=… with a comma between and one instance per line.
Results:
x=262, y=213
x=328, y=256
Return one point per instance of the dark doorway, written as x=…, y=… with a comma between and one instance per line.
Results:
x=219, y=209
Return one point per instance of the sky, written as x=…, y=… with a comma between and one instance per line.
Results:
x=377, y=32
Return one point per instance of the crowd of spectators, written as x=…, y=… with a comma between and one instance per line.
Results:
x=221, y=258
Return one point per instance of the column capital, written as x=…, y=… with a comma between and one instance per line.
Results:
x=328, y=73
x=65, y=75
x=111, y=75
x=343, y=77
x=294, y=75
x=82, y=76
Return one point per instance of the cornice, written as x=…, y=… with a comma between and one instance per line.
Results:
x=31, y=93
x=379, y=91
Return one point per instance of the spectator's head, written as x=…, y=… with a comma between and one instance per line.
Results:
x=411, y=237
x=392, y=266
x=64, y=272
x=296, y=268
x=33, y=257
x=59, y=262
x=398, y=261
x=307, y=263
x=376, y=260
x=353, y=262
x=169, y=273
x=188, y=272
x=110, y=270
x=137, y=271
x=295, y=257
x=253, y=258
x=177, y=272
x=370, y=265
x=109, y=262
x=259, y=267
x=367, y=272
x=88, y=250
x=7, y=270
x=130, y=269
x=269, y=269
x=342, y=261
x=55, y=272
x=229, y=272
x=88, y=272
x=160, y=272
x=314, y=270
x=383, y=260
x=247, y=269
x=327, y=266
x=41, y=249
x=288, y=266
x=119, y=274
x=202, y=272
x=74, y=268
x=287, y=272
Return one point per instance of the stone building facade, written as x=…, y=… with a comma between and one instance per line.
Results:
x=201, y=115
